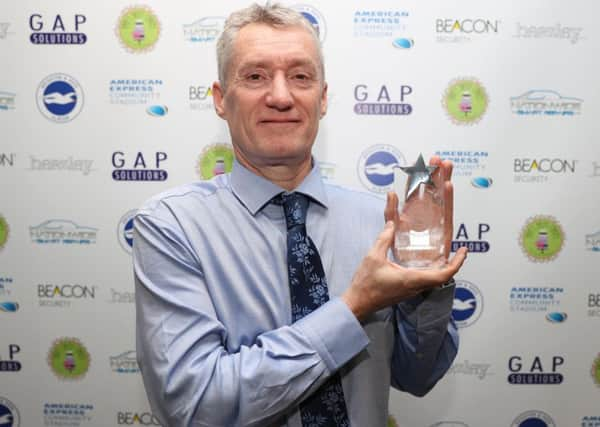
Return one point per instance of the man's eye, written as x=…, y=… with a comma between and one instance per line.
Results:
x=254, y=77
x=301, y=77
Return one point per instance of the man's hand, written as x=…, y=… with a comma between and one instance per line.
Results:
x=378, y=282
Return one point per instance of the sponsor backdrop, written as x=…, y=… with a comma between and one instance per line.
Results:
x=103, y=105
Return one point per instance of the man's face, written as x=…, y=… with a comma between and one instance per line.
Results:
x=274, y=97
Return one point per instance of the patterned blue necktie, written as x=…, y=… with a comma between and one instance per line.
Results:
x=308, y=289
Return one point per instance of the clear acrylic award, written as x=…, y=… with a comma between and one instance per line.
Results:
x=419, y=240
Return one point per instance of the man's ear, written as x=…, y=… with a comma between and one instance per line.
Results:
x=324, y=100
x=218, y=93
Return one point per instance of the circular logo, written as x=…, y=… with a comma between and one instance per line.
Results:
x=542, y=238
x=467, y=305
x=315, y=18
x=125, y=231
x=68, y=359
x=4, y=232
x=216, y=159
x=533, y=419
x=376, y=167
x=465, y=101
x=9, y=415
x=138, y=29
x=596, y=370
x=59, y=98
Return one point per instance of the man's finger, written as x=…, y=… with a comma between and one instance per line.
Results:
x=391, y=207
x=448, y=216
x=384, y=240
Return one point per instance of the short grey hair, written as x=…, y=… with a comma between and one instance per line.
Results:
x=274, y=15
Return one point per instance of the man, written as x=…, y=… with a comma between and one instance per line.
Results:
x=219, y=341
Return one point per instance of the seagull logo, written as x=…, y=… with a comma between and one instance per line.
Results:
x=461, y=305
x=6, y=419
x=380, y=169
x=60, y=99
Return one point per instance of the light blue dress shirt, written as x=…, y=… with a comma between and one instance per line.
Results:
x=215, y=341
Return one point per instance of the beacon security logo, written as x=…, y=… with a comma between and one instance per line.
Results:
x=557, y=31
x=125, y=230
x=467, y=305
x=137, y=418
x=452, y=30
x=134, y=91
x=545, y=103
x=462, y=238
x=204, y=30
x=465, y=101
x=67, y=414
x=8, y=159
x=379, y=100
x=536, y=370
x=593, y=304
x=62, y=232
x=201, y=98
x=138, y=29
x=533, y=418
x=67, y=164
x=592, y=241
x=539, y=170
x=215, y=159
x=9, y=414
x=385, y=24
x=139, y=167
x=542, y=238
x=68, y=359
x=315, y=18
x=376, y=167
x=59, y=98
x=51, y=295
x=125, y=363
x=11, y=364
x=7, y=100
x=57, y=29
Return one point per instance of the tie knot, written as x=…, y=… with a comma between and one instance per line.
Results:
x=295, y=206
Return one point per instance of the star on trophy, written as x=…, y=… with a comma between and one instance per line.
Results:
x=419, y=240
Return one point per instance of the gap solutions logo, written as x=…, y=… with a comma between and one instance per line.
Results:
x=57, y=29
x=536, y=370
x=11, y=364
x=380, y=100
x=465, y=101
x=139, y=167
x=59, y=98
x=478, y=244
x=138, y=29
x=544, y=102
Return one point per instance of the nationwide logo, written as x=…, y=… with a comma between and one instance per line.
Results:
x=557, y=31
x=10, y=364
x=467, y=305
x=69, y=359
x=592, y=241
x=542, y=238
x=69, y=164
x=62, y=232
x=135, y=168
x=134, y=91
x=464, y=30
x=376, y=167
x=383, y=23
x=4, y=33
x=596, y=370
x=462, y=239
x=62, y=295
x=380, y=102
x=119, y=297
x=59, y=98
x=142, y=418
x=67, y=414
x=465, y=163
x=57, y=30
x=535, y=298
x=204, y=30
x=594, y=305
x=545, y=103
x=201, y=98
x=125, y=231
x=7, y=100
x=315, y=18
x=9, y=414
x=125, y=363
x=7, y=159
x=478, y=370
x=533, y=419
x=535, y=373
x=4, y=232
x=529, y=170
x=138, y=29
x=465, y=101
x=215, y=159
x=590, y=421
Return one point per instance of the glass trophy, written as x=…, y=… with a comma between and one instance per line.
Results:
x=419, y=240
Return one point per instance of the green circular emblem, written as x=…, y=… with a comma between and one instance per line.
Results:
x=68, y=359
x=465, y=101
x=216, y=159
x=138, y=29
x=542, y=238
x=596, y=370
x=4, y=230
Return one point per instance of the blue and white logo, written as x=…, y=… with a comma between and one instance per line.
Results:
x=59, y=98
x=60, y=231
x=315, y=18
x=592, y=241
x=125, y=231
x=9, y=415
x=468, y=304
x=481, y=182
x=376, y=167
x=157, y=110
x=204, y=30
x=7, y=101
x=403, y=43
x=533, y=419
x=556, y=317
x=545, y=103
x=9, y=307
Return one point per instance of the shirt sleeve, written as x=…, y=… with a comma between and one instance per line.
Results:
x=426, y=341
x=190, y=377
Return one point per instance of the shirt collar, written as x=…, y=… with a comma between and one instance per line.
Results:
x=255, y=192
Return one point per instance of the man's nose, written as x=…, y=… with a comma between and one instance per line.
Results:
x=279, y=95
